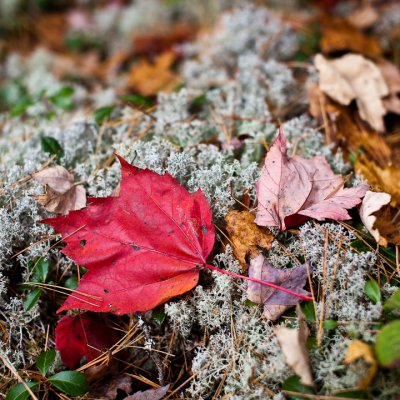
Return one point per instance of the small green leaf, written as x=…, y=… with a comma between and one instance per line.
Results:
x=330, y=324
x=393, y=302
x=179, y=87
x=63, y=98
x=197, y=104
x=308, y=310
x=20, y=108
x=32, y=298
x=387, y=345
x=372, y=290
x=312, y=343
x=389, y=253
x=250, y=303
x=71, y=282
x=137, y=100
x=65, y=91
x=51, y=145
x=352, y=157
x=159, y=315
x=102, y=114
x=293, y=384
x=72, y=383
x=40, y=269
x=359, y=245
x=75, y=43
x=45, y=361
x=199, y=100
x=19, y=392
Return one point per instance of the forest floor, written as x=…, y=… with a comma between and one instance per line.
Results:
x=154, y=292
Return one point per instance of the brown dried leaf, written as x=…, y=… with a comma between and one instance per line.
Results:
x=62, y=195
x=353, y=77
x=293, y=344
x=108, y=390
x=339, y=35
x=317, y=101
x=373, y=202
x=246, y=236
x=64, y=65
x=345, y=129
x=360, y=350
x=148, y=79
x=50, y=29
x=381, y=179
x=391, y=75
x=388, y=224
x=163, y=38
x=113, y=64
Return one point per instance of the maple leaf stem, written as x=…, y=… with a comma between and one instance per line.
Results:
x=270, y=284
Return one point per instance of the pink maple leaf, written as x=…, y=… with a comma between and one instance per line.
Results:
x=293, y=189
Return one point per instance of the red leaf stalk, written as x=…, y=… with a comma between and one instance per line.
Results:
x=270, y=284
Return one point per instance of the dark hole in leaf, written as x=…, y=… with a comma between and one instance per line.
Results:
x=83, y=243
x=106, y=291
x=204, y=229
x=135, y=247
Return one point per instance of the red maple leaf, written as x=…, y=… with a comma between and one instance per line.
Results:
x=82, y=335
x=140, y=248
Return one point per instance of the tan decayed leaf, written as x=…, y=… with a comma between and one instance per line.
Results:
x=246, y=236
x=381, y=179
x=391, y=75
x=363, y=17
x=293, y=344
x=148, y=79
x=373, y=202
x=62, y=195
x=353, y=77
x=360, y=350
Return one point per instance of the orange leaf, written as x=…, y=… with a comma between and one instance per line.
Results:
x=148, y=79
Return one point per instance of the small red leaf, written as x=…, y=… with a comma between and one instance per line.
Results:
x=140, y=248
x=83, y=335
